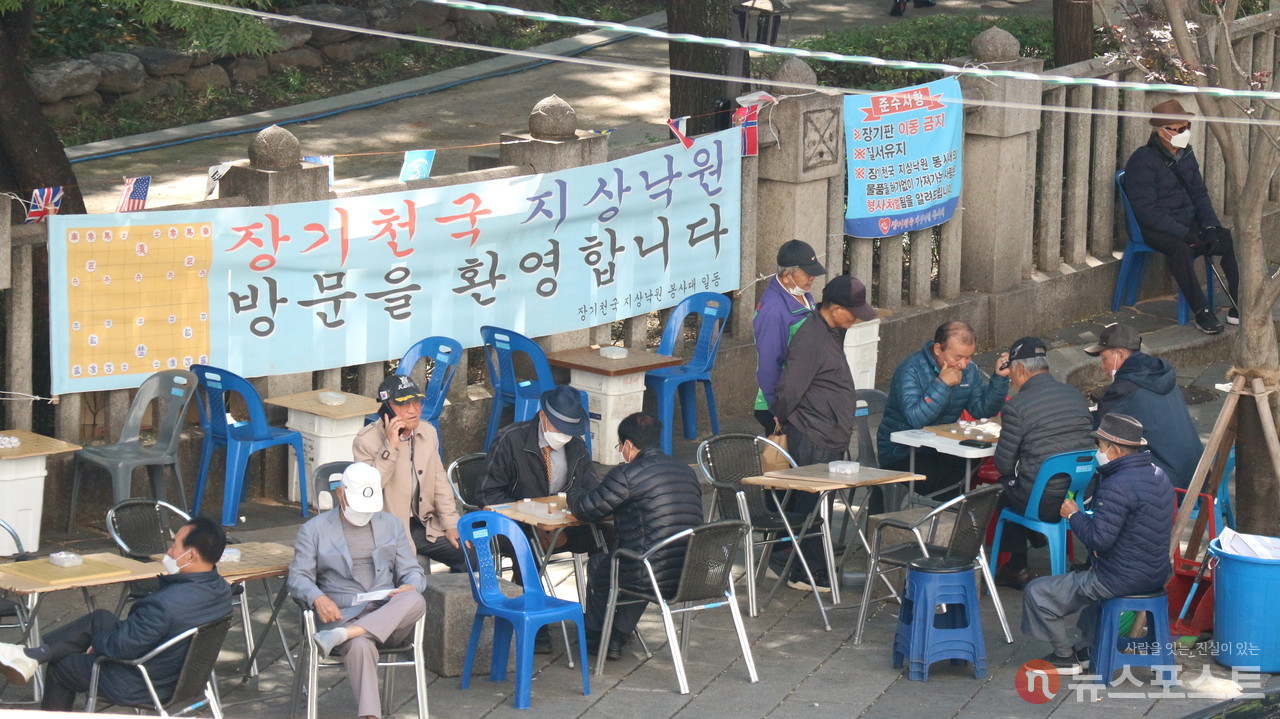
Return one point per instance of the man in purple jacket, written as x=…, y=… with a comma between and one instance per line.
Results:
x=786, y=303
x=1127, y=533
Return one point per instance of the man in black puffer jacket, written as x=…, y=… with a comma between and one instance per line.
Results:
x=651, y=497
x=1127, y=533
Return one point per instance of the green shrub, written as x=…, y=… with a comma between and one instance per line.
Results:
x=934, y=38
x=78, y=28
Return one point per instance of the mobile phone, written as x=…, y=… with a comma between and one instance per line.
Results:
x=976, y=443
x=389, y=414
x=1003, y=366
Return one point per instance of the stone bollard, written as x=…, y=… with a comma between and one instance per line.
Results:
x=999, y=166
x=450, y=611
x=553, y=143
x=796, y=172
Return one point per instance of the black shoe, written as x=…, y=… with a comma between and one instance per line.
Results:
x=925, y=3
x=1084, y=657
x=1233, y=316
x=899, y=8
x=1208, y=322
x=1064, y=665
x=542, y=642
x=614, y=651
x=1015, y=579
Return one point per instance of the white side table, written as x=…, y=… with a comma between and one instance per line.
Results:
x=22, y=473
x=327, y=430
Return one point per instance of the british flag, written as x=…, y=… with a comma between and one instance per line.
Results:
x=134, y=196
x=748, y=119
x=44, y=202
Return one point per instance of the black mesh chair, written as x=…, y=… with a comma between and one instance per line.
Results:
x=142, y=528
x=727, y=459
x=464, y=476
x=706, y=582
x=196, y=685
x=9, y=608
x=972, y=514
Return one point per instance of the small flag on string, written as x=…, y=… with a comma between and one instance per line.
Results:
x=215, y=176
x=759, y=97
x=678, y=127
x=748, y=119
x=417, y=165
x=134, y=196
x=44, y=202
x=322, y=160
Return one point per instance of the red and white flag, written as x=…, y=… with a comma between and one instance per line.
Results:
x=747, y=119
x=134, y=196
x=678, y=127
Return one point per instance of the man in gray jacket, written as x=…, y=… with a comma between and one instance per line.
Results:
x=1044, y=418
x=342, y=557
x=815, y=397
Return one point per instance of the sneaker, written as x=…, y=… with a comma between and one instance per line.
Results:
x=823, y=585
x=1064, y=665
x=1233, y=316
x=1083, y=657
x=1208, y=322
x=16, y=666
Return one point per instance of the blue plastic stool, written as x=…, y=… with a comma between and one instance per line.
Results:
x=1109, y=646
x=1134, y=263
x=924, y=635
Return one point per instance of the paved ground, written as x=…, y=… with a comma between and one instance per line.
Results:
x=804, y=670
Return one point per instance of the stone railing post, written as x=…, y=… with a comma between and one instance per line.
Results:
x=553, y=143
x=999, y=166
x=796, y=173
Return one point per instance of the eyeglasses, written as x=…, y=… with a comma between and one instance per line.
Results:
x=1177, y=130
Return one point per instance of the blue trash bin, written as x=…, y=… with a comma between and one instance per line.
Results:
x=1246, y=628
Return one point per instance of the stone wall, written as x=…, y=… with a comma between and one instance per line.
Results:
x=140, y=74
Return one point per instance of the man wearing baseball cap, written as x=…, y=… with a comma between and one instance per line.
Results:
x=541, y=457
x=337, y=564
x=1127, y=533
x=815, y=397
x=1167, y=193
x=406, y=453
x=1045, y=417
x=1146, y=388
x=785, y=303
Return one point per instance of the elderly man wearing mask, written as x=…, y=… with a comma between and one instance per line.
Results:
x=785, y=303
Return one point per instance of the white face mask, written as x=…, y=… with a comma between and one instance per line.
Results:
x=1182, y=139
x=557, y=439
x=796, y=290
x=359, y=519
x=1102, y=458
x=171, y=564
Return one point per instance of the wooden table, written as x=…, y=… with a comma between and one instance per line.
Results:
x=22, y=473
x=816, y=479
x=327, y=430
x=614, y=387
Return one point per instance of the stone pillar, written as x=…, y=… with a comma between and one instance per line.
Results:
x=553, y=143
x=795, y=173
x=274, y=174
x=999, y=166
x=5, y=243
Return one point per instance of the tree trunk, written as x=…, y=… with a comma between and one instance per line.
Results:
x=31, y=156
x=694, y=96
x=1072, y=31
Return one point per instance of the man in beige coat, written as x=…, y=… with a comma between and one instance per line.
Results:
x=406, y=452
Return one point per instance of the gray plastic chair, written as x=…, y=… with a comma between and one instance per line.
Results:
x=171, y=390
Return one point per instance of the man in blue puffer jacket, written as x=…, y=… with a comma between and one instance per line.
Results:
x=1127, y=533
x=933, y=386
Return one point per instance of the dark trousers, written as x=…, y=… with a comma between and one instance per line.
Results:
x=1181, y=260
x=805, y=452
x=941, y=471
x=441, y=550
x=625, y=616
x=69, y=668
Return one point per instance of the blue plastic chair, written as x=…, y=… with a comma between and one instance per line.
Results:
x=1080, y=467
x=1135, y=262
x=240, y=439
x=524, y=614
x=509, y=390
x=713, y=309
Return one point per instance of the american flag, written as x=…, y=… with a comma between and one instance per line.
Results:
x=134, y=196
x=44, y=202
x=746, y=118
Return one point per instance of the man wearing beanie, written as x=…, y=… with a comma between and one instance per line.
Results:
x=786, y=303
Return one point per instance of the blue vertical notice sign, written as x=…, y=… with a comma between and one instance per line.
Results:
x=904, y=158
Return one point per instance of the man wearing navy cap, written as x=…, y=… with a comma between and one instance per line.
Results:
x=785, y=303
x=1044, y=418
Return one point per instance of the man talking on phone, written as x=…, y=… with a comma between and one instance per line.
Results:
x=406, y=452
